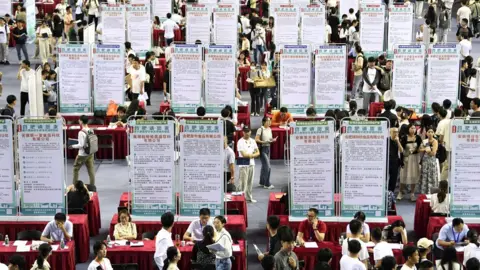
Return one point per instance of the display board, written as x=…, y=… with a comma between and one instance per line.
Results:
x=187, y=74
x=225, y=21
x=74, y=78
x=408, y=81
x=5, y=7
x=201, y=167
x=312, y=163
x=345, y=5
x=330, y=74
x=198, y=21
x=139, y=27
x=400, y=25
x=295, y=77
x=286, y=24
x=161, y=8
x=220, y=77
x=41, y=148
x=29, y=6
x=364, y=167
x=113, y=19
x=372, y=27
x=313, y=24
x=139, y=2
x=89, y=34
x=8, y=202
x=443, y=74
x=463, y=178
x=108, y=76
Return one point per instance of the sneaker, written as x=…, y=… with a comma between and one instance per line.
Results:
x=252, y=201
x=413, y=198
x=399, y=196
x=261, y=185
x=7, y=63
x=252, y=114
x=269, y=187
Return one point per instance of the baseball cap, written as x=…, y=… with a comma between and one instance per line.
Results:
x=424, y=243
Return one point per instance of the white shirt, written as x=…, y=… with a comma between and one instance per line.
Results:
x=163, y=241
x=229, y=158
x=381, y=250
x=349, y=263
x=362, y=255
x=464, y=13
x=471, y=93
x=62, y=9
x=248, y=146
x=225, y=240
x=81, y=142
x=351, y=30
x=371, y=73
x=25, y=77
x=443, y=128
x=3, y=266
x=405, y=267
x=455, y=266
x=168, y=53
x=351, y=17
x=44, y=30
x=196, y=229
x=99, y=29
x=465, y=48
x=443, y=207
x=4, y=31
x=448, y=3
x=106, y=265
x=177, y=18
x=53, y=232
x=328, y=31
x=245, y=25
x=470, y=251
x=138, y=77
x=365, y=228
x=169, y=26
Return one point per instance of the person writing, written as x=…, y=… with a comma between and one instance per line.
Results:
x=311, y=229
x=195, y=229
x=282, y=118
x=58, y=229
x=120, y=119
x=125, y=229
x=452, y=233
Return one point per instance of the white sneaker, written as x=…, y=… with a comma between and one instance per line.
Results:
x=399, y=196
x=261, y=186
x=252, y=201
x=413, y=198
x=269, y=187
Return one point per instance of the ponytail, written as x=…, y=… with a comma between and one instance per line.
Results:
x=40, y=260
x=43, y=252
x=166, y=263
x=441, y=195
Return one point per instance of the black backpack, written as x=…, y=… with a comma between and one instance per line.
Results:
x=441, y=153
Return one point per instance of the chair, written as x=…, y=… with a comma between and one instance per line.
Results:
x=105, y=141
x=29, y=235
x=198, y=266
x=125, y=266
x=438, y=214
x=437, y=253
x=149, y=235
x=301, y=264
x=233, y=211
x=76, y=211
x=91, y=188
x=237, y=235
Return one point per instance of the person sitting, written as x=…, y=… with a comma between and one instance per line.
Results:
x=173, y=257
x=41, y=263
x=440, y=202
x=449, y=260
x=351, y=260
x=360, y=216
x=195, y=229
x=58, y=229
x=424, y=246
x=78, y=195
x=201, y=254
x=395, y=232
x=119, y=120
x=16, y=262
x=311, y=113
x=273, y=222
x=382, y=249
x=389, y=263
x=286, y=259
x=452, y=233
x=282, y=118
x=125, y=229
x=472, y=264
x=471, y=249
x=324, y=255
x=410, y=253
x=100, y=261
x=362, y=254
x=311, y=229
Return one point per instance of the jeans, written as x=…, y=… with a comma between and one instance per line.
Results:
x=367, y=99
x=266, y=169
x=3, y=51
x=246, y=180
x=258, y=49
x=475, y=26
x=23, y=102
x=77, y=165
x=357, y=80
x=168, y=41
x=442, y=35
x=21, y=48
x=418, y=8
x=223, y=264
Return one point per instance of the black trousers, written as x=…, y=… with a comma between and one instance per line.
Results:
x=92, y=18
x=23, y=102
x=255, y=97
x=148, y=90
x=134, y=96
x=393, y=171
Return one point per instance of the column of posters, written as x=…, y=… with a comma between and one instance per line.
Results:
x=286, y=24
x=29, y=6
x=113, y=19
x=42, y=166
x=108, y=77
x=225, y=21
x=364, y=167
x=139, y=27
x=161, y=8
x=313, y=25
x=8, y=204
x=5, y=7
x=330, y=74
x=372, y=27
x=400, y=25
x=187, y=75
x=345, y=5
x=74, y=78
x=443, y=74
x=201, y=167
x=152, y=146
x=408, y=82
x=220, y=77
x=295, y=77
x=198, y=21
x=312, y=165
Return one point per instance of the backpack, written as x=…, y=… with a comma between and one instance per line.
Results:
x=91, y=143
x=441, y=153
x=365, y=62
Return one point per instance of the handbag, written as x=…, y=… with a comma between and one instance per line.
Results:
x=264, y=83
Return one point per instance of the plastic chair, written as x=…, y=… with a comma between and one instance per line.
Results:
x=105, y=141
x=29, y=235
x=149, y=235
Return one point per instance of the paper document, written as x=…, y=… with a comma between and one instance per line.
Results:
x=311, y=245
x=216, y=247
x=137, y=244
x=460, y=248
x=72, y=142
x=259, y=252
x=23, y=248
x=236, y=248
x=19, y=243
x=54, y=247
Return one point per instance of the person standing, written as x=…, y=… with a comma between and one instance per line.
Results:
x=429, y=171
x=351, y=259
x=371, y=77
x=44, y=34
x=100, y=261
x=169, y=27
x=4, y=39
x=419, y=8
x=150, y=71
x=286, y=259
x=264, y=138
x=79, y=6
x=229, y=167
x=443, y=23
x=463, y=12
x=20, y=35
x=258, y=43
x=68, y=21
x=83, y=157
x=166, y=82
x=475, y=15
x=443, y=133
x=248, y=151
x=223, y=237
x=163, y=240
x=357, y=67
x=465, y=46
x=138, y=76
x=394, y=160
x=62, y=8
x=26, y=75
x=93, y=14
x=409, y=173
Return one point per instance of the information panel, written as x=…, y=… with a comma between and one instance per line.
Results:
x=220, y=77
x=372, y=27
x=187, y=75
x=286, y=24
x=74, y=78
x=8, y=204
x=139, y=27
x=40, y=148
x=29, y=6
x=162, y=7
x=345, y=5
x=113, y=19
x=152, y=146
x=295, y=77
x=465, y=154
x=312, y=165
x=109, y=73
x=364, y=167
x=313, y=25
x=198, y=21
x=5, y=7
x=225, y=21
x=443, y=74
x=330, y=74
x=201, y=167
x=408, y=81
x=400, y=25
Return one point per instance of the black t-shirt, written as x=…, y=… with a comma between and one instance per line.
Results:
x=166, y=79
x=274, y=245
x=393, y=158
x=77, y=200
x=391, y=117
x=18, y=32
x=230, y=129
x=465, y=31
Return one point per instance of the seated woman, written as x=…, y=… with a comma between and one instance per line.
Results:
x=472, y=247
x=360, y=216
x=395, y=233
x=125, y=229
x=440, y=202
x=173, y=257
x=77, y=195
x=449, y=260
x=201, y=254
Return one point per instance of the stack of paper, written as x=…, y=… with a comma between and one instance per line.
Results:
x=311, y=245
x=23, y=248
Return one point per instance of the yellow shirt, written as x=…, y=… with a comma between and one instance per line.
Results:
x=122, y=232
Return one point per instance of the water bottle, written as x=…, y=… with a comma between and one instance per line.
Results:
x=341, y=240
x=62, y=244
x=108, y=240
x=7, y=241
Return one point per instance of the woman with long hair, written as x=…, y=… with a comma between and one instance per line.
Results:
x=78, y=195
x=440, y=202
x=449, y=260
x=157, y=25
x=352, y=108
x=41, y=263
x=425, y=122
x=201, y=254
x=395, y=233
x=429, y=172
x=242, y=60
x=173, y=257
x=409, y=173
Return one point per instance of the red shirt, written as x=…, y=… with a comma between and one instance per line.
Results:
x=307, y=229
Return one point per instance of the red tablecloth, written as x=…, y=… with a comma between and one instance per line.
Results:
x=60, y=259
x=93, y=210
x=242, y=78
x=276, y=149
x=11, y=41
x=42, y=7
x=436, y=223
x=157, y=36
x=119, y=138
x=243, y=115
x=350, y=74
x=80, y=232
x=274, y=205
x=234, y=222
x=143, y=256
x=268, y=36
x=422, y=213
x=158, y=83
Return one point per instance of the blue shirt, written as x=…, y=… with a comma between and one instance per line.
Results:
x=53, y=232
x=448, y=233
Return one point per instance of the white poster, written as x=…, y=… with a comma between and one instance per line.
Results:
x=312, y=166
x=220, y=80
x=225, y=21
x=140, y=2
x=29, y=6
x=198, y=21
x=330, y=74
x=8, y=204
x=408, y=81
x=152, y=146
x=201, y=167
x=109, y=75
x=313, y=25
x=89, y=34
x=364, y=167
x=187, y=75
x=295, y=77
x=400, y=25
x=345, y=5
x=372, y=27
x=443, y=74
x=286, y=24
x=113, y=19
x=40, y=149
x=5, y=7
x=161, y=8
x=139, y=27
x=74, y=78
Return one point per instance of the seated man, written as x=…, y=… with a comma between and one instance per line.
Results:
x=360, y=216
x=356, y=229
x=311, y=229
x=58, y=229
x=282, y=118
x=120, y=119
x=195, y=229
x=452, y=233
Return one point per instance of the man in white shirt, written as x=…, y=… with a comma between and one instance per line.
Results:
x=169, y=26
x=58, y=229
x=4, y=39
x=62, y=9
x=381, y=249
x=229, y=167
x=463, y=12
x=410, y=253
x=465, y=46
x=362, y=253
x=138, y=76
x=26, y=75
x=177, y=18
x=245, y=24
x=163, y=240
x=83, y=157
x=371, y=77
x=351, y=260
x=247, y=152
x=443, y=133
x=195, y=229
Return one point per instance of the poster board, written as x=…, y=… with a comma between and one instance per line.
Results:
x=400, y=25
x=372, y=27
x=225, y=21
x=109, y=75
x=198, y=21
x=113, y=19
x=29, y=6
x=8, y=201
x=161, y=8
x=5, y=7
x=345, y=5
x=312, y=24
x=220, y=77
x=286, y=24
x=139, y=27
